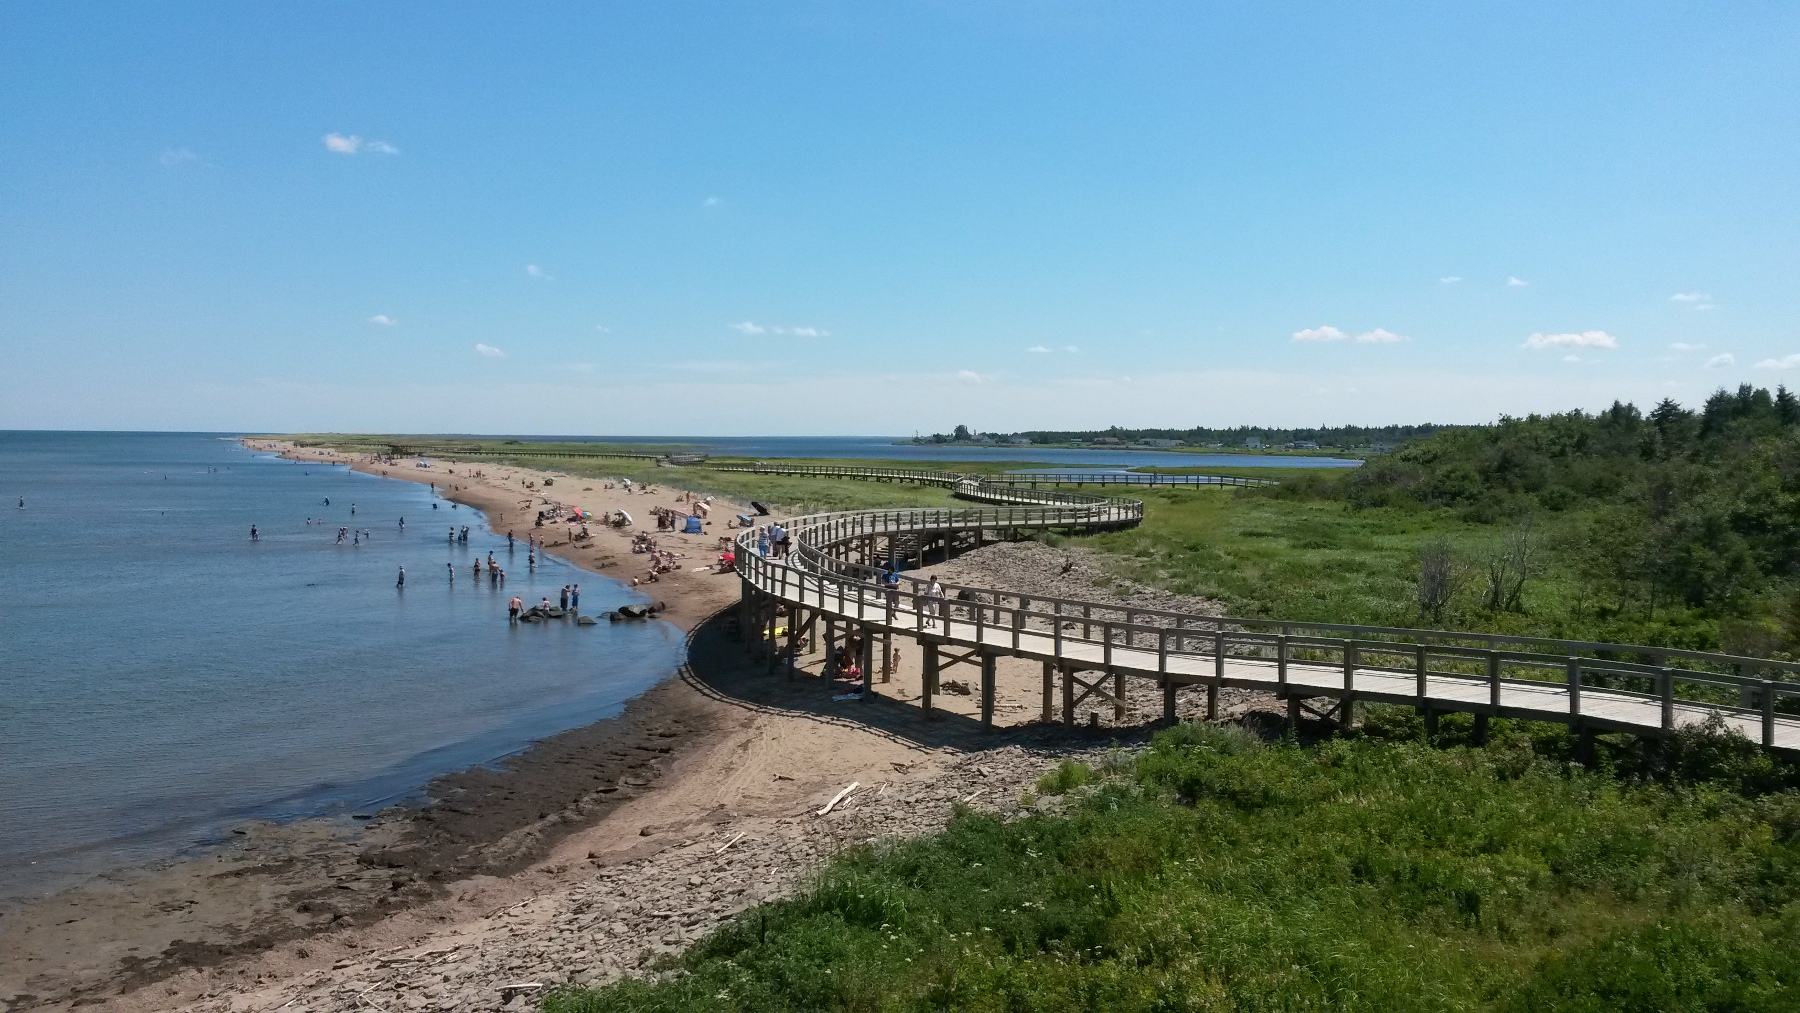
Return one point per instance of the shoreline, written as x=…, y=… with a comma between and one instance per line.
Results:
x=591, y=855
x=266, y=882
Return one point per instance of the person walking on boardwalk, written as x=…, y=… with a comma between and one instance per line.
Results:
x=401, y=582
x=934, y=601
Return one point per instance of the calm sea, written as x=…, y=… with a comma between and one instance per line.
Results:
x=163, y=677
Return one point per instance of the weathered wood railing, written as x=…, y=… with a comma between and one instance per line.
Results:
x=1592, y=684
x=921, y=476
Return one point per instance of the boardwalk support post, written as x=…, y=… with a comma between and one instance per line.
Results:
x=987, y=691
x=929, y=681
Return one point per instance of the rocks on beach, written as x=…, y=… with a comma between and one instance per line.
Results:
x=614, y=920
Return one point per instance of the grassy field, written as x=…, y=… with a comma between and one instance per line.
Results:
x=1307, y=559
x=1215, y=872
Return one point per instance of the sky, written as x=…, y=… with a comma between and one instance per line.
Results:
x=882, y=218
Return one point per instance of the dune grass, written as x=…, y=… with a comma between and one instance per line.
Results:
x=1219, y=873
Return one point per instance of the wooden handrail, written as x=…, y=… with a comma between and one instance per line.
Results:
x=1035, y=625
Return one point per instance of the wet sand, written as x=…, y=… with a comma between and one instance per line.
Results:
x=274, y=883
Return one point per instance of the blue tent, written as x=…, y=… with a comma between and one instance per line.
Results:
x=693, y=525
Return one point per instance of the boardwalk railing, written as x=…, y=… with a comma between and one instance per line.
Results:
x=1581, y=683
x=920, y=476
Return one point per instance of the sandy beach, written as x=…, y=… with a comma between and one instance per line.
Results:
x=582, y=858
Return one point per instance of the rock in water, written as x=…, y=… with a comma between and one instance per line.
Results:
x=586, y=620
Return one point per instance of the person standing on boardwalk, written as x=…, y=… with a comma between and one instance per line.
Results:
x=934, y=601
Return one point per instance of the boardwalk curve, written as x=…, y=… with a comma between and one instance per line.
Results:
x=828, y=581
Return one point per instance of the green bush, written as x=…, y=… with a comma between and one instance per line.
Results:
x=1226, y=874
x=1067, y=776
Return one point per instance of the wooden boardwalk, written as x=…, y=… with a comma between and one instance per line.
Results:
x=828, y=583
x=1028, y=479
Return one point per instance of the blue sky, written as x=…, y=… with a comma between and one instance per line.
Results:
x=818, y=218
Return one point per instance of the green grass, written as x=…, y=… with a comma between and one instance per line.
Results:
x=1361, y=874
x=1266, y=554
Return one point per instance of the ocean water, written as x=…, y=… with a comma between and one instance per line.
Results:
x=163, y=677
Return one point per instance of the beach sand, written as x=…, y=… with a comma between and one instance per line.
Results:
x=500, y=877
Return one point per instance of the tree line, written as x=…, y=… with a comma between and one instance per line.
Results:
x=1666, y=517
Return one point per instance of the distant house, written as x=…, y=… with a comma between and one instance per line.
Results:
x=1163, y=443
x=1303, y=445
x=1253, y=443
x=1019, y=441
x=1108, y=441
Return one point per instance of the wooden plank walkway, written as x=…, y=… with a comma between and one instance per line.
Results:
x=948, y=479
x=1589, y=686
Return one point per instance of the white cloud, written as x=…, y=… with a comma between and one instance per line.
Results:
x=1512, y=282
x=711, y=202
x=799, y=332
x=352, y=144
x=1451, y=280
x=384, y=320
x=1690, y=297
x=1571, y=358
x=1682, y=346
x=1785, y=362
x=1378, y=336
x=176, y=156
x=1071, y=349
x=603, y=329
x=537, y=272
x=489, y=350
x=1586, y=339
x=1038, y=350
x=968, y=376
x=1721, y=360
x=1325, y=333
